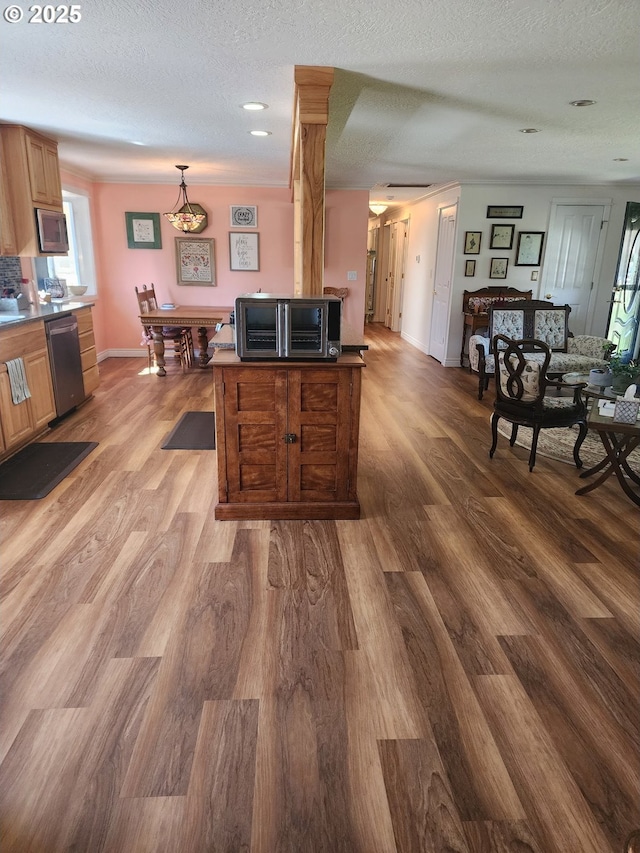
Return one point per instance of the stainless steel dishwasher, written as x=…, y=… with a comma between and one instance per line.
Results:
x=66, y=364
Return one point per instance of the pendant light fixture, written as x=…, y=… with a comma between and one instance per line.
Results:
x=189, y=218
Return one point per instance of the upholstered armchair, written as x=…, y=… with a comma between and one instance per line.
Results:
x=522, y=398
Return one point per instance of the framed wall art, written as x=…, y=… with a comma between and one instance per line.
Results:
x=195, y=261
x=529, y=251
x=513, y=211
x=501, y=236
x=469, y=268
x=243, y=251
x=472, y=240
x=143, y=230
x=244, y=216
x=498, y=268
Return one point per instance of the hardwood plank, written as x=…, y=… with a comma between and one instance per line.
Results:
x=424, y=814
x=220, y=797
x=481, y=786
x=607, y=780
x=557, y=812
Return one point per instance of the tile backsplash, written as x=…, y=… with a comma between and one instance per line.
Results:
x=10, y=274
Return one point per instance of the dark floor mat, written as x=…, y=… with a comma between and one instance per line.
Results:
x=194, y=431
x=38, y=468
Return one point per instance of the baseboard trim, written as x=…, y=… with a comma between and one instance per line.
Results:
x=122, y=353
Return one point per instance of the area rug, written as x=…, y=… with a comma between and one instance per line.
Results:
x=38, y=468
x=194, y=431
x=558, y=444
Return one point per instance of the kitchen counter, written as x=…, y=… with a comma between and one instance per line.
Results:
x=43, y=311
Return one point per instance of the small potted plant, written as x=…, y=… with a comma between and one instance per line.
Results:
x=624, y=373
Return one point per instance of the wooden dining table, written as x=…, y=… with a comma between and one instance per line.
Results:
x=200, y=317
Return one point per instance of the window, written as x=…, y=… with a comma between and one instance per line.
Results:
x=78, y=266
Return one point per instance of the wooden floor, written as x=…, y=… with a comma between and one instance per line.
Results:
x=457, y=671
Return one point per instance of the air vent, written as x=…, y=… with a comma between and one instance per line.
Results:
x=407, y=186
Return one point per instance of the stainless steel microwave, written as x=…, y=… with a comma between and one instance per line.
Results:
x=270, y=326
x=52, y=231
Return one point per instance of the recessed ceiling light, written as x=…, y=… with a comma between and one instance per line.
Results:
x=583, y=103
x=255, y=105
x=529, y=130
x=260, y=133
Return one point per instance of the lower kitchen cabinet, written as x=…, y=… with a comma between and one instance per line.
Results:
x=23, y=421
x=287, y=438
x=88, y=354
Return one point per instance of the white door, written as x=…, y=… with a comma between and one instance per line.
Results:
x=573, y=249
x=395, y=278
x=438, y=337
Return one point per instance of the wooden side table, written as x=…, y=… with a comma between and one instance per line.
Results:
x=618, y=440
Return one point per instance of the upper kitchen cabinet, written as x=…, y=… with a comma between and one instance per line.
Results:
x=7, y=236
x=33, y=181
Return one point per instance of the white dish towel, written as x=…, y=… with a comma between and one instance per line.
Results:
x=18, y=381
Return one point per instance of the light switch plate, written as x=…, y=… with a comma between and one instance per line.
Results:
x=352, y=275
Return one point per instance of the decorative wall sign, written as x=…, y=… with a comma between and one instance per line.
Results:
x=501, y=236
x=469, y=268
x=143, y=230
x=529, y=251
x=498, y=267
x=495, y=211
x=195, y=261
x=243, y=251
x=472, y=240
x=244, y=216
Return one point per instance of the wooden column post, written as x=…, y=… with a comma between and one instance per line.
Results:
x=311, y=113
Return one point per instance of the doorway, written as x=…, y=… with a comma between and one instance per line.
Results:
x=439, y=333
x=624, y=317
x=573, y=258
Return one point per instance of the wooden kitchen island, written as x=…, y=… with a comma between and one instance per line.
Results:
x=287, y=437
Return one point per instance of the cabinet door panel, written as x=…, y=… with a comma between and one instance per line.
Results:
x=36, y=158
x=43, y=408
x=16, y=420
x=255, y=403
x=320, y=417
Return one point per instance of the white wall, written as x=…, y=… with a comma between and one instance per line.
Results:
x=472, y=210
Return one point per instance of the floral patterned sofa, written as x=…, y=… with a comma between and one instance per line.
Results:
x=544, y=322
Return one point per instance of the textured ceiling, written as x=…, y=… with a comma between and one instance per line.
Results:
x=427, y=92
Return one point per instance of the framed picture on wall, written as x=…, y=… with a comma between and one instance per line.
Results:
x=472, y=240
x=243, y=251
x=244, y=216
x=195, y=261
x=469, y=268
x=513, y=211
x=501, y=236
x=529, y=251
x=498, y=268
x=143, y=230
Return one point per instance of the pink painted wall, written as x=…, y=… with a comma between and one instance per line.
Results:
x=120, y=269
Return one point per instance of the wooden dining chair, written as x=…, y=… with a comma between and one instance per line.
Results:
x=181, y=337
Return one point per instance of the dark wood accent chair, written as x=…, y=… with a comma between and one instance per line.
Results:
x=521, y=394
x=181, y=338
